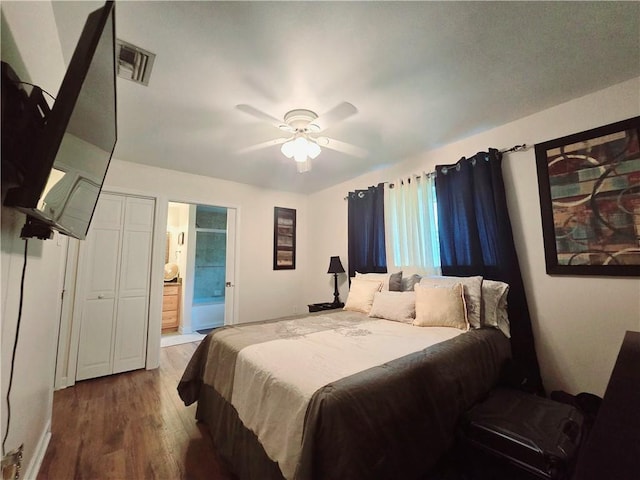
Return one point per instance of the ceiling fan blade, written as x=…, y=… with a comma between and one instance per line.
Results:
x=343, y=147
x=333, y=116
x=259, y=146
x=259, y=114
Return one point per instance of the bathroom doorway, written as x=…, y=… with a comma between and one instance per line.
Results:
x=201, y=248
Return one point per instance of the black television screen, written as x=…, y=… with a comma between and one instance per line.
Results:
x=63, y=165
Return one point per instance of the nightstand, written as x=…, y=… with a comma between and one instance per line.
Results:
x=171, y=307
x=318, y=307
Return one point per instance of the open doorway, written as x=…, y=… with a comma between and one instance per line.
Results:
x=200, y=259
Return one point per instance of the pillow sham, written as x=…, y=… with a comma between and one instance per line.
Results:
x=472, y=287
x=395, y=282
x=360, y=297
x=408, y=283
x=396, y=306
x=442, y=306
x=494, y=305
x=390, y=281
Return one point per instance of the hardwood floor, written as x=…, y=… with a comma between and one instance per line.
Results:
x=131, y=426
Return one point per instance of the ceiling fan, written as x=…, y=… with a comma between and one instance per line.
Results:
x=303, y=126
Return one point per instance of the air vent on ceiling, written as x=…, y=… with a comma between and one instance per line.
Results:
x=134, y=63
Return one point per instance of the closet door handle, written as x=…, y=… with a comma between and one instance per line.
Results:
x=100, y=296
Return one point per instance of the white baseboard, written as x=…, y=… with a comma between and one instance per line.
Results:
x=36, y=461
x=62, y=383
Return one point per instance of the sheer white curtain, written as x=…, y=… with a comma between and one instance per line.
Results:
x=412, y=224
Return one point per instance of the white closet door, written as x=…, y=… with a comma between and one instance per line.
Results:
x=133, y=295
x=114, y=271
x=98, y=286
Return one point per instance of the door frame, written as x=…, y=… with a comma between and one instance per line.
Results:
x=65, y=372
x=231, y=295
x=68, y=291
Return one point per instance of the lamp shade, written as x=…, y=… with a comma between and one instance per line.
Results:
x=313, y=150
x=301, y=149
x=287, y=149
x=335, y=265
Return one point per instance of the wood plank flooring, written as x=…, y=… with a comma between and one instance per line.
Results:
x=131, y=426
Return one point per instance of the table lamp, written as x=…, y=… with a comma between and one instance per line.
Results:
x=335, y=267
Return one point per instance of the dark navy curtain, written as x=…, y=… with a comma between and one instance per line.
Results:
x=476, y=239
x=366, y=231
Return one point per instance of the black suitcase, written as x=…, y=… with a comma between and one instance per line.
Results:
x=538, y=435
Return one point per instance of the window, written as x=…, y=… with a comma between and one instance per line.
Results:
x=412, y=224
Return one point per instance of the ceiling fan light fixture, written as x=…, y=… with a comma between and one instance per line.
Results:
x=300, y=144
x=300, y=149
x=287, y=149
x=303, y=167
x=312, y=127
x=313, y=150
x=304, y=124
x=300, y=157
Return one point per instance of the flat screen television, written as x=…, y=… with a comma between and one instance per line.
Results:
x=60, y=159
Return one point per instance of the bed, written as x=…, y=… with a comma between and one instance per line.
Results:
x=338, y=394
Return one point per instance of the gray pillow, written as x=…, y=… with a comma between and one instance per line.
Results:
x=395, y=282
x=389, y=280
x=408, y=283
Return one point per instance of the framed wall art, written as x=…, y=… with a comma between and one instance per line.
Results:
x=284, y=238
x=589, y=186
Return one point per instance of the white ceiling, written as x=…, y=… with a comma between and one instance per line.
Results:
x=421, y=74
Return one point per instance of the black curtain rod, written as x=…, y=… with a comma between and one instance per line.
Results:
x=516, y=148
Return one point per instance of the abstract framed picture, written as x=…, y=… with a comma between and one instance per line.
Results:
x=589, y=186
x=284, y=238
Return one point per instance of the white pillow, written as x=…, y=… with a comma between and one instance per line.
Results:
x=441, y=307
x=472, y=294
x=377, y=277
x=397, y=306
x=390, y=281
x=494, y=305
x=361, y=294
